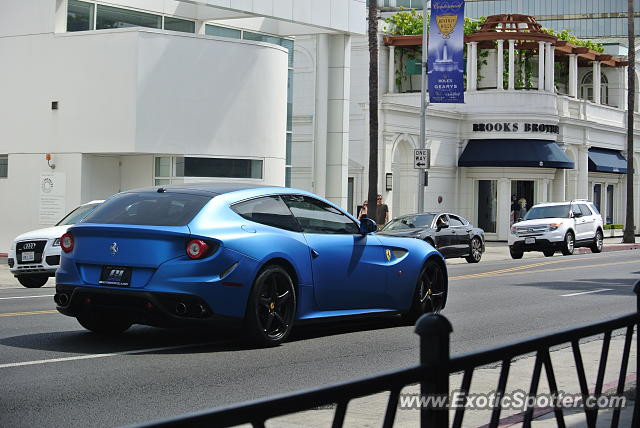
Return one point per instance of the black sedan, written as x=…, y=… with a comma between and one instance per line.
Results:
x=451, y=234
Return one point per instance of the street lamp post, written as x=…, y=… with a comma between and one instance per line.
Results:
x=423, y=100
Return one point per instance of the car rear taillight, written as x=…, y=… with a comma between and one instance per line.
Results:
x=197, y=249
x=66, y=242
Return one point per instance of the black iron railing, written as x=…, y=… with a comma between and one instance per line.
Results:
x=433, y=376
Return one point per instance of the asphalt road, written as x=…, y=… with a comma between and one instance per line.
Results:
x=53, y=373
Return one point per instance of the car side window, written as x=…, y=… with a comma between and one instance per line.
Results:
x=268, y=210
x=441, y=220
x=315, y=216
x=576, y=211
x=454, y=221
x=585, y=210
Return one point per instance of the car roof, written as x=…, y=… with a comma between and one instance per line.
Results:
x=549, y=204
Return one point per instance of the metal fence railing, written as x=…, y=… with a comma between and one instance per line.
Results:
x=433, y=377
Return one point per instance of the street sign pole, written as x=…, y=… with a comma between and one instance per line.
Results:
x=423, y=101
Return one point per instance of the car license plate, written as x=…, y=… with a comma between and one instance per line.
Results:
x=115, y=275
x=529, y=240
x=28, y=256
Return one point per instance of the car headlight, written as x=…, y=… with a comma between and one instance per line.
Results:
x=514, y=231
x=554, y=226
x=56, y=242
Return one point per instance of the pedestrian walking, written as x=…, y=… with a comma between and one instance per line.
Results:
x=382, y=212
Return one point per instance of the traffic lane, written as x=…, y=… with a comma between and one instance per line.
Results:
x=534, y=298
x=121, y=389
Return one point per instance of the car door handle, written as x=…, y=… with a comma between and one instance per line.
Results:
x=314, y=253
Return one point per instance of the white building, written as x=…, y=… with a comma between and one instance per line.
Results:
x=484, y=151
x=104, y=96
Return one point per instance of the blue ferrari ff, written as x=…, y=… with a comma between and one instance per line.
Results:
x=265, y=257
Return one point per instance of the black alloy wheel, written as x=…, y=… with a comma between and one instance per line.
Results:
x=598, y=242
x=103, y=324
x=475, y=251
x=271, y=307
x=515, y=254
x=431, y=291
x=569, y=244
x=548, y=253
x=33, y=281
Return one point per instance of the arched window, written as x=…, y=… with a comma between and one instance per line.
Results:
x=586, y=88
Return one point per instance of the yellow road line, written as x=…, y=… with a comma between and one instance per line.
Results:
x=521, y=272
x=16, y=314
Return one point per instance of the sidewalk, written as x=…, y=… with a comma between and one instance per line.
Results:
x=500, y=250
x=369, y=411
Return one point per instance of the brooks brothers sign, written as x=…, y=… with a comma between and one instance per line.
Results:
x=516, y=127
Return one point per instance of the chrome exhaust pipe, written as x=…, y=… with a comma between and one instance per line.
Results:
x=181, y=308
x=61, y=299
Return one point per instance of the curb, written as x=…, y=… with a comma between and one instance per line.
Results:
x=610, y=247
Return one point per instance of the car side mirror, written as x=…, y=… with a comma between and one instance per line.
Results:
x=519, y=219
x=577, y=215
x=367, y=226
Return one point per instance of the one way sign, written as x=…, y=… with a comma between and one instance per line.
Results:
x=421, y=158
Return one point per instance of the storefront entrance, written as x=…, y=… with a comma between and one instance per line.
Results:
x=522, y=198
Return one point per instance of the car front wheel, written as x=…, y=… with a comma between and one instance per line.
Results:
x=569, y=244
x=515, y=254
x=33, y=281
x=597, y=242
x=430, y=294
x=548, y=253
x=272, y=307
x=475, y=251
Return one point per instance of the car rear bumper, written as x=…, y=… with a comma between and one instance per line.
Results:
x=141, y=307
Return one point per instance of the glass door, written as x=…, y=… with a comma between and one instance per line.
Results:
x=487, y=205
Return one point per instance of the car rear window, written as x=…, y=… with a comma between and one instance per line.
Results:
x=148, y=209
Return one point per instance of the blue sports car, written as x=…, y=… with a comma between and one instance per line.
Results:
x=265, y=258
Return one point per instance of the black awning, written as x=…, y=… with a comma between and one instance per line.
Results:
x=606, y=160
x=514, y=153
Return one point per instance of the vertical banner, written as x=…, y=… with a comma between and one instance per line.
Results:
x=446, y=52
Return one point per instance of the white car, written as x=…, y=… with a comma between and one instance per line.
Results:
x=34, y=256
x=558, y=226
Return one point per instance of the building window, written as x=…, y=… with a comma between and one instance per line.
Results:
x=218, y=167
x=597, y=196
x=168, y=168
x=216, y=30
x=586, y=88
x=176, y=24
x=113, y=17
x=80, y=16
x=4, y=166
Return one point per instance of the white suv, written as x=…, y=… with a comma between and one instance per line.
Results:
x=558, y=226
x=35, y=256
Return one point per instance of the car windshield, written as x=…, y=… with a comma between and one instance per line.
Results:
x=76, y=215
x=553, y=211
x=148, y=209
x=410, y=222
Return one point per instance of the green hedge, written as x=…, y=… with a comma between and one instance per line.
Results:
x=613, y=226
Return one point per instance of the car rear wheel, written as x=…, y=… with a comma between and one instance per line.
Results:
x=33, y=281
x=103, y=324
x=597, y=242
x=430, y=294
x=569, y=244
x=272, y=307
x=475, y=251
x=515, y=254
x=548, y=253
